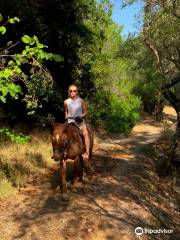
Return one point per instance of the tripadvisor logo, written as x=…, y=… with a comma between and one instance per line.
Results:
x=139, y=231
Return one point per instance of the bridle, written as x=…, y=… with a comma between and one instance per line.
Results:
x=63, y=149
x=67, y=143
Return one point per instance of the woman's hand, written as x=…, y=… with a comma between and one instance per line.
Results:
x=78, y=119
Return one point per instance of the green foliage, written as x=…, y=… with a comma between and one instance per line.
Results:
x=13, y=20
x=11, y=88
x=113, y=80
x=142, y=70
x=14, y=137
x=2, y=30
x=99, y=108
x=10, y=20
x=90, y=43
x=123, y=115
x=161, y=31
x=11, y=69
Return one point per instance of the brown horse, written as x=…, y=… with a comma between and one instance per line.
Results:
x=67, y=143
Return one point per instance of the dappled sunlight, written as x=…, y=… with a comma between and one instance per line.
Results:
x=124, y=192
x=170, y=112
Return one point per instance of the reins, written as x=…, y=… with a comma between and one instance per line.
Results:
x=65, y=147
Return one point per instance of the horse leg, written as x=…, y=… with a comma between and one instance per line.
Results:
x=63, y=185
x=90, y=156
x=81, y=169
x=76, y=168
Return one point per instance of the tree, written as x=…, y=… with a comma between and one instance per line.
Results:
x=25, y=68
x=161, y=34
x=142, y=69
x=83, y=32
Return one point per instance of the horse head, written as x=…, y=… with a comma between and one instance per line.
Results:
x=60, y=141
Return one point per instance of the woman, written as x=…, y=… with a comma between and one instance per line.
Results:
x=75, y=111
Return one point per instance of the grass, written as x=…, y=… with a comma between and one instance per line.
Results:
x=18, y=161
x=6, y=189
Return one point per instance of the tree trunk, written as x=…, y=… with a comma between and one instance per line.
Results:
x=158, y=111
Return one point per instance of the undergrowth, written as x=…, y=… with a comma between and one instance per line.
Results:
x=19, y=161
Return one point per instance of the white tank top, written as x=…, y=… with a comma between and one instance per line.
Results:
x=74, y=107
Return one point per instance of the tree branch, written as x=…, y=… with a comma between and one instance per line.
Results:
x=6, y=49
x=173, y=82
x=156, y=54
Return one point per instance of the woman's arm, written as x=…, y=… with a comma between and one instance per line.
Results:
x=65, y=110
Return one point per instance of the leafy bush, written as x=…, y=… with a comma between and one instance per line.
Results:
x=14, y=137
x=25, y=68
x=123, y=114
x=115, y=114
x=99, y=107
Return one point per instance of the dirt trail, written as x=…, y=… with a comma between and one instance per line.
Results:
x=124, y=193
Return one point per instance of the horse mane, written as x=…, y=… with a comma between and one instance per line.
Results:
x=71, y=129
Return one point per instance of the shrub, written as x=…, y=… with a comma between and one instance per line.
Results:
x=123, y=114
x=9, y=135
x=99, y=107
x=114, y=113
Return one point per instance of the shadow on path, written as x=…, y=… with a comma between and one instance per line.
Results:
x=124, y=193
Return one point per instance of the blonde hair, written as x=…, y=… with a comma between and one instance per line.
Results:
x=72, y=85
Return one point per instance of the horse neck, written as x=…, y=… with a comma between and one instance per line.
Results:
x=71, y=130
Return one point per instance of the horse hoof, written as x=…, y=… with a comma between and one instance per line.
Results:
x=65, y=197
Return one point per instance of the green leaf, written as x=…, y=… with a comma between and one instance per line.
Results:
x=2, y=30
x=17, y=69
x=26, y=39
x=6, y=73
x=18, y=62
x=36, y=39
x=4, y=91
x=17, y=88
x=57, y=57
x=11, y=63
x=14, y=20
x=41, y=54
x=3, y=99
x=39, y=45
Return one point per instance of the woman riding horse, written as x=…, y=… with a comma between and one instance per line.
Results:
x=75, y=111
x=67, y=141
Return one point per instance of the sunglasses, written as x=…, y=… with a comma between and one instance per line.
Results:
x=73, y=90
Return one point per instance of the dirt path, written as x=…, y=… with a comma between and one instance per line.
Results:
x=125, y=193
